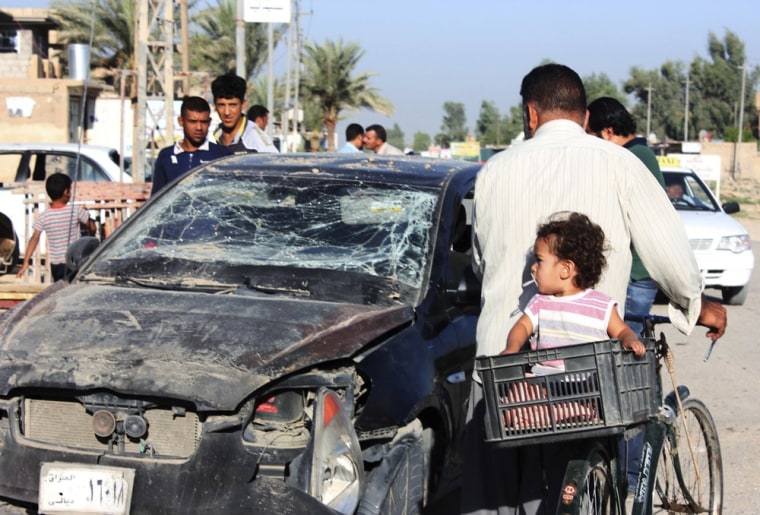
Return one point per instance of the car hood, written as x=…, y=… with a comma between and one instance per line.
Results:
x=710, y=224
x=212, y=350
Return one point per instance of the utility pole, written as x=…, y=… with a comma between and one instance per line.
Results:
x=284, y=128
x=185, y=48
x=155, y=74
x=686, y=112
x=649, y=109
x=270, y=78
x=240, y=40
x=737, y=148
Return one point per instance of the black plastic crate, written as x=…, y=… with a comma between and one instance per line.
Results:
x=603, y=390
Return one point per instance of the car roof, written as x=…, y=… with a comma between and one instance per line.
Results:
x=67, y=147
x=422, y=171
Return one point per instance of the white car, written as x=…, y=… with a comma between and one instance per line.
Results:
x=22, y=162
x=720, y=243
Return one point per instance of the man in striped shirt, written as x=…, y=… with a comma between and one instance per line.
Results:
x=60, y=222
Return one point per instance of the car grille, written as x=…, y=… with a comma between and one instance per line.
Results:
x=68, y=424
x=701, y=245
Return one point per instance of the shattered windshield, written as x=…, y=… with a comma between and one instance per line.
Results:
x=230, y=227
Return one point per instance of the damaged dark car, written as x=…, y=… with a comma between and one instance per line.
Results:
x=270, y=333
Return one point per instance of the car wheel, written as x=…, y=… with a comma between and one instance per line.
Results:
x=735, y=295
x=397, y=485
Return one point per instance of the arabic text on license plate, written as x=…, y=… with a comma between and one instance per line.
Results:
x=66, y=488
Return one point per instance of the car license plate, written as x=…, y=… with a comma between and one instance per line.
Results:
x=68, y=487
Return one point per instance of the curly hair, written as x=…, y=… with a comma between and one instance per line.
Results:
x=572, y=236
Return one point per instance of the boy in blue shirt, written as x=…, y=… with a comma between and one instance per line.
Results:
x=193, y=150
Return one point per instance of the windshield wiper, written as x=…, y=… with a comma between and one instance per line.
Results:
x=300, y=290
x=183, y=285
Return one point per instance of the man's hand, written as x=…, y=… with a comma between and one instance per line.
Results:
x=713, y=316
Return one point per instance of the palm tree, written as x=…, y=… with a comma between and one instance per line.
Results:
x=327, y=81
x=113, y=25
x=213, y=45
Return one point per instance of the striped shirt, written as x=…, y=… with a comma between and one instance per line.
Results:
x=61, y=227
x=563, y=169
x=570, y=319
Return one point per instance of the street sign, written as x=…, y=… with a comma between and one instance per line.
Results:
x=266, y=11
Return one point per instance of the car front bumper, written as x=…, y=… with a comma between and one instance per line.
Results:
x=220, y=477
x=725, y=268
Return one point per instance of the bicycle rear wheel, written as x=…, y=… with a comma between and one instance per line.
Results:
x=689, y=482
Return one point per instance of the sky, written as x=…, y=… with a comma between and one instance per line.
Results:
x=424, y=53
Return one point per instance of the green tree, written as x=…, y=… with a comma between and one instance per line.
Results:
x=422, y=141
x=396, y=136
x=453, y=126
x=598, y=86
x=716, y=87
x=212, y=42
x=665, y=109
x=488, y=126
x=113, y=25
x=328, y=81
x=512, y=124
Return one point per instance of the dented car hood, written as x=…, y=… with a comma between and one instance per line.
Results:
x=212, y=350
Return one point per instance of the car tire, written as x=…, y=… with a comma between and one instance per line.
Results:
x=397, y=485
x=735, y=295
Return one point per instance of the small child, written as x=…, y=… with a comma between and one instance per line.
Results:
x=569, y=253
x=61, y=223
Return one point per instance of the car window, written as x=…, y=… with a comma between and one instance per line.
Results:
x=50, y=163
x=9, y=166
x=687, y=192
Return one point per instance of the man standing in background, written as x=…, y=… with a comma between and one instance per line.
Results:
x=354, y=139
x=192, y=150
x=235, y=130
x=259, y=115
x=375, y=139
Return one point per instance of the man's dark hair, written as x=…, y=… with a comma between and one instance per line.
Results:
x=56, y=184
x=197, y=104
x=554, y=87
x=379, y=132
x=228, y=85
x=257, y=111
x=574, y=237
x=353, y=130
x=609, y=112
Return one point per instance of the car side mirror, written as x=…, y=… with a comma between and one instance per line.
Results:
x=731, y=207
x=79, y=251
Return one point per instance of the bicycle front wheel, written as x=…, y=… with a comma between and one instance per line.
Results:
x=690, y=471
x=592, y=477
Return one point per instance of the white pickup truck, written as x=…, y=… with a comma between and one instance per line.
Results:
x=22, y=162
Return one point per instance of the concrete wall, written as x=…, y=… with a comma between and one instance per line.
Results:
x=747, y=162
x=39, y=110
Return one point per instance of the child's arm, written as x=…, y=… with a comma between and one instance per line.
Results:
x=518, y=335
x=30, y=248
x=91, y=226
x=618, y=329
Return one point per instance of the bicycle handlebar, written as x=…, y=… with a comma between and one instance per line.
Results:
x=650, y=321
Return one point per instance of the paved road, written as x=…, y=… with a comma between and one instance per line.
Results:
x=729, y=383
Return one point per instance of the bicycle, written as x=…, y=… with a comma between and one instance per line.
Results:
x=610, y=394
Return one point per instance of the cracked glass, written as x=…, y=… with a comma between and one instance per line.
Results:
x=222, y=227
